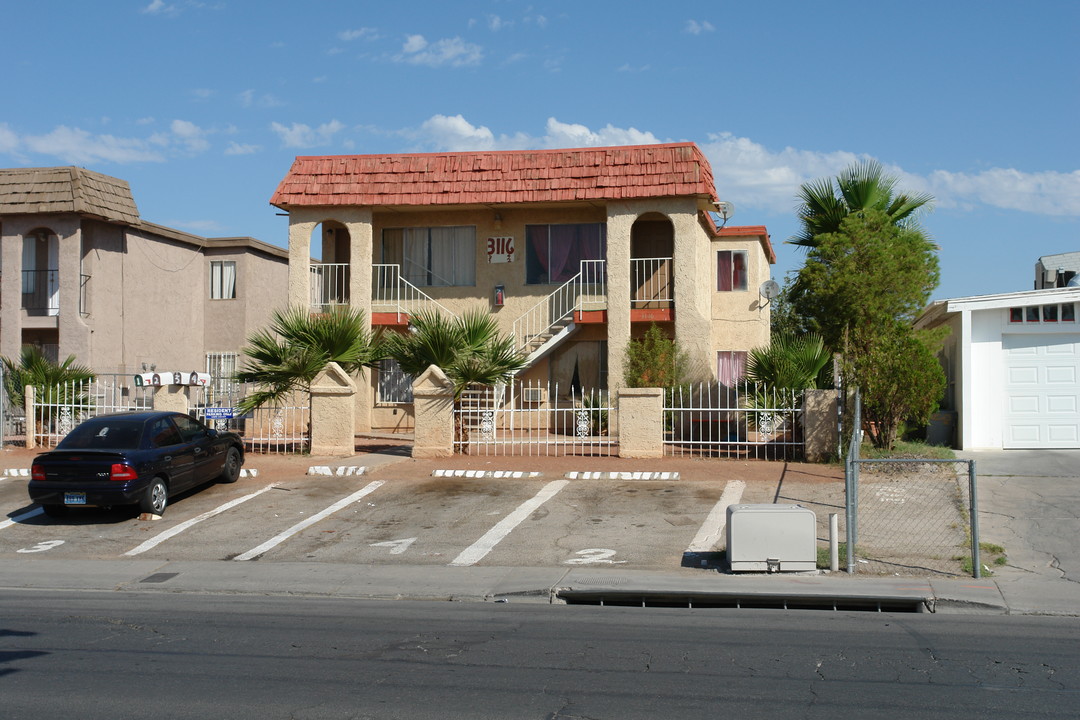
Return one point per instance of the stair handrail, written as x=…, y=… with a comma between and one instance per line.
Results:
x=390, y=289
x=563, y=301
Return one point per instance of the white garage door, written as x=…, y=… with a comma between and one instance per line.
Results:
x=1042, y=391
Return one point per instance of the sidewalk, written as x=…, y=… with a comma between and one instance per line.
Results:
x=545, y=585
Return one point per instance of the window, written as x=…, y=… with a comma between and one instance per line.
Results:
x=553, y=253
x=163, y=433
x=394, y=385
x=730, y=270
x=1066, y=313
x=222, y=279
x=221, y=367
x=437, y=256
x=730, y=366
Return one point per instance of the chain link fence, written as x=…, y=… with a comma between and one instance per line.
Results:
x=910, y=517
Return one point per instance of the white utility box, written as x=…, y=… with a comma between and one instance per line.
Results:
x=771, y=538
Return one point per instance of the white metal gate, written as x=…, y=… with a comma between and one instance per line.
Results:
x=58, y=409
x=533, y=419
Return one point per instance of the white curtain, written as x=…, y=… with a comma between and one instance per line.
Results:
x=222, y=280
x=414, y=255
x=730, y=366
x=29, y=265
x=453, y=256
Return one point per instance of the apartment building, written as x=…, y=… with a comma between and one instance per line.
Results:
x=81, y=273
x=574, y=251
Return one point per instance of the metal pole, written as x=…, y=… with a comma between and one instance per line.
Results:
x=976, y=561
x=834, y=538
x=849, y=514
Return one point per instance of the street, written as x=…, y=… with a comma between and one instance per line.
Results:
x=121, y=655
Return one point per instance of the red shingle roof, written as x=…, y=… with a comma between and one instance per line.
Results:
x=517, y=176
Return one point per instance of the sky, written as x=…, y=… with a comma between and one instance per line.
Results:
x=202, y=105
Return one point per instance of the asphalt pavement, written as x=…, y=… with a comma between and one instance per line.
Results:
x=1029, y=503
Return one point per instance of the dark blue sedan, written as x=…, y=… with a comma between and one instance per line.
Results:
x=139, y=458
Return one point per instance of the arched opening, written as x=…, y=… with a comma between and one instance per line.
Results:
x=41, y=273
x=652, y=246
x=330, y=265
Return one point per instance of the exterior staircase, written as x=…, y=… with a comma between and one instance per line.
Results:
x=548, y=323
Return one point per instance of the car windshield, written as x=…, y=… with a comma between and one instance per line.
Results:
x=104, y=435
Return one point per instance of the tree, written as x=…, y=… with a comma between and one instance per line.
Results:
x=297, y=346
x=54, y=383
x=861, y=288
x=469, y=349
x=864, y=186
x=790, y=362
x=655, y=360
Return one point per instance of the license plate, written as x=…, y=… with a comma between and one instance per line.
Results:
x=74, y=498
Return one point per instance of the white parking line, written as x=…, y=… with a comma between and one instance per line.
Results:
x=19, y=518
x=713, y=527
x=282, y=537
x=162, y=537
x=476, y=552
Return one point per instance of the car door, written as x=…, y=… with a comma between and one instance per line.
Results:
x=174, y=454
x=208, y=460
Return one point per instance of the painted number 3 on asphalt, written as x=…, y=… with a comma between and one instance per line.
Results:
x=42, y=546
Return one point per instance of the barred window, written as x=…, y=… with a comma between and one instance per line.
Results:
x=394, y=385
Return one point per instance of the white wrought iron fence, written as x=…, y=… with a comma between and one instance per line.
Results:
x=533, y=419
x=58, y=409
x=742, y=420
x=281, y=428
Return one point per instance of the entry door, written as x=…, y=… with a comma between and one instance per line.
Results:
x=1042, y=391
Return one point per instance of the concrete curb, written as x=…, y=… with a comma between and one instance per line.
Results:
x=486, y=473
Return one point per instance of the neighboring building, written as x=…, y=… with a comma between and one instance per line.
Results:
x=574, y=251
x=1013, y=367
x=1053, y=271
x=84, y=275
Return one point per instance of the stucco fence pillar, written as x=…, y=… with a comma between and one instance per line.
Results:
x=821, y=436
x=333, y=413
x=641, y=422
x=433, y=405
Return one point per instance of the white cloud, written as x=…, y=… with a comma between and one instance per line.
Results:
x=750, y=174
x=235, y=148
x=694, y=27
x=451, y=51
x=189, y=135
x=364, y=33
x=73, y=145
x=203, y=93
x=9, y=140
x=496, y=23
x=456, y=134
x=199, y=227
x=160, y=7
x=299, y=135
x=248, y=98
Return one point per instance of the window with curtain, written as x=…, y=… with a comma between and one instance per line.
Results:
x=394, y=385
x=222, y=279
x=730, y=270
x=730, y=366
x=553, y=253
x=435, y=256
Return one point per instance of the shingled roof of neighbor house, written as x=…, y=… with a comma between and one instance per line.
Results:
x=498, y=177
x=26, y=191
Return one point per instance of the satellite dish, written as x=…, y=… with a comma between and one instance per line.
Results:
x=725, y=209
x=769, y=289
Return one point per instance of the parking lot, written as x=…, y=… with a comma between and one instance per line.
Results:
x=399, y=513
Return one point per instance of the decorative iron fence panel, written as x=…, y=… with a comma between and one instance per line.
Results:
x=283, y=428
x=533, y=419
x=58, y=409
x=744, y=420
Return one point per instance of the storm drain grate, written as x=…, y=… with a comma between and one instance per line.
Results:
x=851, y=604
x=158, y=577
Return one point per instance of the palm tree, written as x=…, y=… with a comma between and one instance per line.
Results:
x=790, y=362
x=863, y=186
x=55, y=384
x=469, y=349
x=287, y=356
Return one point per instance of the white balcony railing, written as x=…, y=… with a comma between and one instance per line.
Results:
x=392, y=293
x=651, y=283
x=585, y=291
x=329, y=285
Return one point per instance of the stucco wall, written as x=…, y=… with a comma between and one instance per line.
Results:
x=740, y=319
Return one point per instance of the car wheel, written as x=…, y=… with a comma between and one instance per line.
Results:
x=55, y=511
x=231, y=472
x=156, y=498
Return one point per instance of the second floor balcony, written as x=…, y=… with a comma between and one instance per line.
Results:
x=41, y=293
